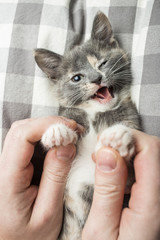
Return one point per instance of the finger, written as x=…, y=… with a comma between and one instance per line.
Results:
x=144, y=204
x=20, y=141
x=110, y=180
x=49, y=202
x=147, y=172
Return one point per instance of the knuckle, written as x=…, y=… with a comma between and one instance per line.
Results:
x=20, y=122
x=107, y=190
x=56, y=175
x=17, y=131
x=15, y=124
x=19, y=128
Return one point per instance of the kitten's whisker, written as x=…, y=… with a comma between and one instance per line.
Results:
x=74, y=98
x=123, y=65
x=123, y=72
x=122, y=75
x=112, y=72
x=118, y=61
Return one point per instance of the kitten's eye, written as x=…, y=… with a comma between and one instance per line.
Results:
x=77, y=78
x=103, y=63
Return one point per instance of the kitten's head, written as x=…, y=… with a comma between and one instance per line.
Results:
x=97, y=71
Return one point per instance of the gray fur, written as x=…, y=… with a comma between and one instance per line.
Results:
x=79, y=115
x=61, y=69
x=125, y=113
x=114, y=72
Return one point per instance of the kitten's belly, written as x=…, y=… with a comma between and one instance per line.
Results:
x=83, y=168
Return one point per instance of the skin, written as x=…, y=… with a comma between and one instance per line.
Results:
x=35, y=212
x=141, y=220
x=26, y=210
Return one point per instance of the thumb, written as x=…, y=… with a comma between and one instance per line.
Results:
x=51, y=190
x=110, y=180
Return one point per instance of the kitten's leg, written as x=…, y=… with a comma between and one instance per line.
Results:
x=120, y=138
x=58, y=134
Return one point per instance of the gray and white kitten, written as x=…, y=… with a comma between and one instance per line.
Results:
x=93, y=84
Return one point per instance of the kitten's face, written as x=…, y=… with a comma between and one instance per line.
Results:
x=97, y=71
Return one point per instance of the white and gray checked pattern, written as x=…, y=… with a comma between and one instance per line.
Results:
x=59, y=24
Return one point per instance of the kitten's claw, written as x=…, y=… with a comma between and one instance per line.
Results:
x=58, y=134
x=118, y=137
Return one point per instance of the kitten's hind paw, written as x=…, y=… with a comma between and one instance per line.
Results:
x=120, y=138
x=58, y=134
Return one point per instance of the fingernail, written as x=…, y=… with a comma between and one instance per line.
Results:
x=106, y=160
x=82, y=129
x=65, y=153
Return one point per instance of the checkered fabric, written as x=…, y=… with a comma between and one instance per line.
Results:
x=57, y=24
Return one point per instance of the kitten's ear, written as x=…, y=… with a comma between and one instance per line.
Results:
x=102, y=31
x=49, y=62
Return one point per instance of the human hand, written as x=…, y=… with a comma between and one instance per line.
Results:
x=141, y=221
x=27, y=211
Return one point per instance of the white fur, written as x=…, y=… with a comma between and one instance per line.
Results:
x=58, y=134
x=92, y=106
x=82, y=171
x=120, y=138
x=83, y=168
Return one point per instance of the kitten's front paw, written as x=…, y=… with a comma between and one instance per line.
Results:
x=118, y=137
x=58, y=134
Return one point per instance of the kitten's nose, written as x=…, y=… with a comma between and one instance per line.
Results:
x=97, y=80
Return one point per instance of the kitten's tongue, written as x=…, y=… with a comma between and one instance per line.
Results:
x=103, y=95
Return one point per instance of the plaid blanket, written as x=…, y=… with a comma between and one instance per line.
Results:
x=57, y=24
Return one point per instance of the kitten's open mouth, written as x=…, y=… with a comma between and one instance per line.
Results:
x=103, y=95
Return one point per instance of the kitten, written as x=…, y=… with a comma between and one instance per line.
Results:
x=93, y=84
